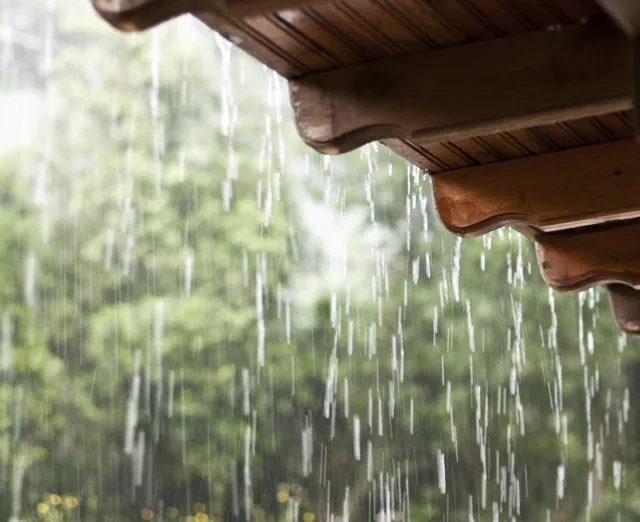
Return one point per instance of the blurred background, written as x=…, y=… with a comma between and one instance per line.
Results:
x=202, y=319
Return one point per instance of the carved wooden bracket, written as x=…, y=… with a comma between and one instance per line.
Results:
x=551, y=192
x=577, y=260
x=482, y=88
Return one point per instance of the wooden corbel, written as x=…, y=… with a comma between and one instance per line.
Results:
x=552, y=192
x=579, y=259
x=481, y=88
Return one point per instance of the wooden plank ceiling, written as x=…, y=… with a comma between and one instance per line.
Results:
x=303, y=37
x=523, y=111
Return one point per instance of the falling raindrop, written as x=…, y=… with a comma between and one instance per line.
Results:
x=30, y=281
x=188, y=275
x=6, y=343
x=442, y=480
x=356, y=437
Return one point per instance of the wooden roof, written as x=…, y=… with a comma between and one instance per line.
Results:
x=520, y=109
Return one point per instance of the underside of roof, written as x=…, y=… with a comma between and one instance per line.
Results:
x=523, y=111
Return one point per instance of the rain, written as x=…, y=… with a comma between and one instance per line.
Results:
x=202, y=319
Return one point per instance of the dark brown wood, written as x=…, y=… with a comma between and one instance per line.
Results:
x=552, y=192
x=251, y=8
x=625, y=306
x=482, y=88
x=312, y=36
x=138, y=15
x=577, y=260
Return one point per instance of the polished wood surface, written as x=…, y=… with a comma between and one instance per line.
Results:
x=552, y=192
x=579, y=259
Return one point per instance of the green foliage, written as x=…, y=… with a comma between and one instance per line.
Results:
x=162, y=183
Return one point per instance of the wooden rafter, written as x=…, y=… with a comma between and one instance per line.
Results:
x=482, y=88
x=551, y=192
x=576, y=260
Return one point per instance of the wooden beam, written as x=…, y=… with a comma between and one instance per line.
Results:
x=577, y=260
x=138, y=15
x=493, y=86
x=551, y=192
x=625, y=306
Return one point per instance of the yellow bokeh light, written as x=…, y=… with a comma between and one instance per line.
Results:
x=202, y=517
x=70, y=502
x=172, y=512
x=308, y=517
x=55, y=499
x=199, y=508
x=282, y=496
x=146, y=514
x=42, y=508
x=190, y=519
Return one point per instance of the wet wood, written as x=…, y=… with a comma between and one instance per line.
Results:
x=482, y=88
x=138, y=15
x=625, y=306
x=558, y=191
x=577, y=260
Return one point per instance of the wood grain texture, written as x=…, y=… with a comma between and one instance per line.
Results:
x=577, y=260
x=552, y=192
x=482, y=88
x=625, y=307
x=316, y=36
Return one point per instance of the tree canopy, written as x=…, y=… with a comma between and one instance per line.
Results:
x=201, y=319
